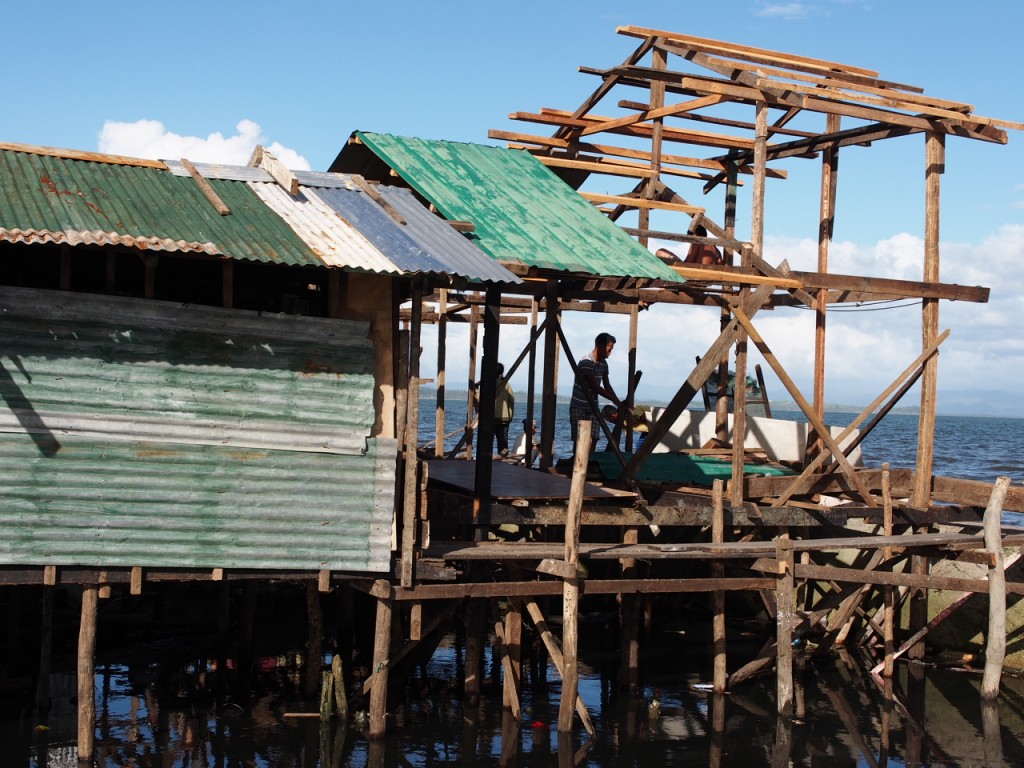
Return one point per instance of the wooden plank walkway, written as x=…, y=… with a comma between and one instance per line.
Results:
x=509, y=481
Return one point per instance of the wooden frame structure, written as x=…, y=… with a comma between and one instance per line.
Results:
x=686, y=128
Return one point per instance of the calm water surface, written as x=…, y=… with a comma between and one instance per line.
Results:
x=162, y=713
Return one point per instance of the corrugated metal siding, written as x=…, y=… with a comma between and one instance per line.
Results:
x=51, y=199
x=100, y=503
x=522, y=211
x=144, y=433
x=129, y=375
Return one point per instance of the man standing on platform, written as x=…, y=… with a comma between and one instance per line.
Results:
x=592, y=379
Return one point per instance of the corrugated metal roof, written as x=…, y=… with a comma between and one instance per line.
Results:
x=521, y=210
x=50, y=199
x=149, y=433
x=346, y=228
x=335, y=241
x=53, y=199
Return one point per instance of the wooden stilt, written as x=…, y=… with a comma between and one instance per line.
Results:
x=87, y=676
x=471, y=404
x=510, y=686
x=514, y=646
x=785, y=596
x=720, y=676
x=549, y=387
x=474, y=652
x=995, y=642
x=629, y=625
x=556, y=657
x=570, y=587
x=442, y=346
x=381, y=663
x=338, y=675
x=888, y=592
x=45, y=651
x=312, y=677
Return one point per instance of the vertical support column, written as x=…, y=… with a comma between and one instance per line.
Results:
x=45, y=649
x=531, y=384
x=826, y=225
x=87, y=675
x=410, y=489
x=888, y=596
x=471, y=408
x=570, y=585
x=311, y=677
x=995, y=641
x=935, y=159
x=720, y=676
x=549, y=388
x=442, y=349
x=659, y=61
x=487, y=391
x=739, y=416
x=381, y=661
x=634, y=326
x=785, y=600
x=722, y=403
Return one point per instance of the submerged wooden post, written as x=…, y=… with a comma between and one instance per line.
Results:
x=720, y=675
x=785, y=597
x=570, y=587
x=381, y=660
x=311, y=677
x=995, y=643
x=889, y=620
x=45, y=651
x=87, y=675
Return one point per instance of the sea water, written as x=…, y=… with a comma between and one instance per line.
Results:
x=931, y=717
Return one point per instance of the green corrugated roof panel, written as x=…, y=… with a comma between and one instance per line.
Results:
x=62, y=200
x=521, y=210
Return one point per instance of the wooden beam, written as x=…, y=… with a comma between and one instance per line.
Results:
x=89, y=157
x=889, y=287
x=636, y=202
x=651, y=114
x=206, y=189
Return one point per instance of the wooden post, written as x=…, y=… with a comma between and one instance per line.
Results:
x=487, y=392
x=514, y=646
x=340, y=698
x=87, y=675
x=549, y=387
x=570, y=588
x=556, y=657
x=381, y=662
x=720, y=675
x=722, y=402
x=510, y=685
x=45, y=650
x=634, y=325
x=888, y=594
x=471, y=396
x=314, y=641
x=935, y=160
x=410, y=490
x=995, y=643
x=784, y=599
x=531, y=383
x=826, y=222
x=442, y=345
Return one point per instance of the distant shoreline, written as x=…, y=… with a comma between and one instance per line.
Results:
x=452, y=395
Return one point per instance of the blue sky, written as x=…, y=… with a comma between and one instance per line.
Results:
x=208, y=80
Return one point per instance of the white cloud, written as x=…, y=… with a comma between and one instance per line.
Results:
x=151, y=139
x=784, y=11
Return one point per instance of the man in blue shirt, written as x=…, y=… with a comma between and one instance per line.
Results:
x=592, y=378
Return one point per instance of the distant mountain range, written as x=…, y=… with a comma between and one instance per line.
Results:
x=962, y=402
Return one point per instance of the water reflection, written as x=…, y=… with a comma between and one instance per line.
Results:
x=151, y=716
